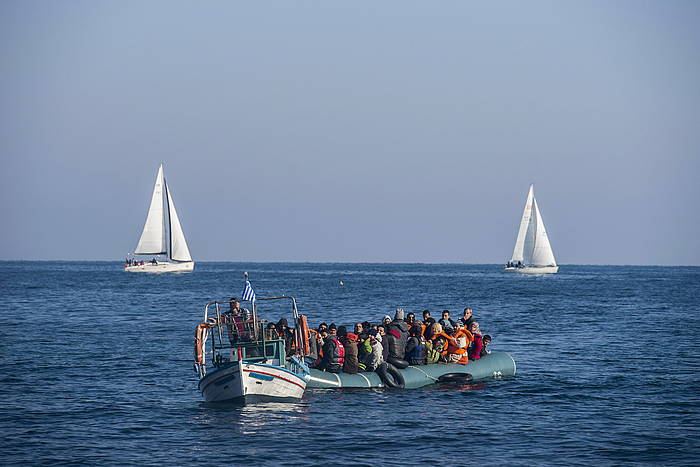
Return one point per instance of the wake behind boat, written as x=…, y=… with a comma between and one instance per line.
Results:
x=532, y=253
x=162, y=235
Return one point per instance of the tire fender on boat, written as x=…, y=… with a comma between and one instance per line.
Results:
x=455, y=378
x=396, y=380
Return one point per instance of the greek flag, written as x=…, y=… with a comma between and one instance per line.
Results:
x=248, y=293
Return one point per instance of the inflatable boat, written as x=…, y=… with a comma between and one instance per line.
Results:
x=493, y=365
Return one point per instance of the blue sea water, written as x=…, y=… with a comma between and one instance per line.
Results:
x=96, y=368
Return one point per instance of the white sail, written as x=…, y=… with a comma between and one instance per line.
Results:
x=152, y=241
x=518, y=251
x=178, y=245
x=542, y=254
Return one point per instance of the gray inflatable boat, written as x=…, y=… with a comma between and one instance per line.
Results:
x=494, y=365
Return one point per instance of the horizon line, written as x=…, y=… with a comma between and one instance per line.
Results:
x=341, y=262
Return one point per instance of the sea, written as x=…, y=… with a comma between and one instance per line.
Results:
x=96, y=368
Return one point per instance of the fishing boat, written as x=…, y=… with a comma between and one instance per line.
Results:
x=238, y=359
x=532, y=253
x=162, y=235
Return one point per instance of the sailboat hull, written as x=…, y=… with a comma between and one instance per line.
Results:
x=187, y=266
x=535, y=270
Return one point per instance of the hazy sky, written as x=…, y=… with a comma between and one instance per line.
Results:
x=352, y=131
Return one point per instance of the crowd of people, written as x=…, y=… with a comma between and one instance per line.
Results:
x=401, y=341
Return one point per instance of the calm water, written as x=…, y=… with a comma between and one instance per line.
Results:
x=96, y=367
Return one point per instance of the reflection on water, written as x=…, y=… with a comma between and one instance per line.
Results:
x=252, y=418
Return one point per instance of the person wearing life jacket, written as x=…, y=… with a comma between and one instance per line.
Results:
x=350, y=363
x=477, y=345
x=333, y=354
x=445, y=340
x=415, y=346
x=457, y=347
x=235, y=317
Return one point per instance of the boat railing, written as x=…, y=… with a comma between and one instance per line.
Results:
x=238, y=334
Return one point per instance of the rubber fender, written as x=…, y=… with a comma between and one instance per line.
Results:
x=399, y=381
x=455, y=378
x=390, y=376
x=397, y=362
x=382, y=372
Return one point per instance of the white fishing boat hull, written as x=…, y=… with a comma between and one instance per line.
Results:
x=537, y=270
x=164, y=266
x=252, y=382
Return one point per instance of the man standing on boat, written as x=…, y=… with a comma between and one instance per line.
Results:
x=236, y=317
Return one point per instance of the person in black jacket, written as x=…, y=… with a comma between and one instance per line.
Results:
x=350, y=362
x=446, y=322
x=467, y=318
x=401, y=327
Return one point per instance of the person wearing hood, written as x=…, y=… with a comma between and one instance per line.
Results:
x=372, y=351
x=287, y=335
x=350, y=363
x=396, y=350
x=401, y=327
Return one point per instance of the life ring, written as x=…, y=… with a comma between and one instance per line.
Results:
x=305, y=334
x=395, y=381
x=200, y=336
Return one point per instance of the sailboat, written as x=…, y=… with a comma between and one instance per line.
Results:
x=162, y=235
x=532, y=253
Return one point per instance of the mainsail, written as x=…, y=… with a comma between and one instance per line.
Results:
x=532, y=246
x=152, y=241
x=523, y=230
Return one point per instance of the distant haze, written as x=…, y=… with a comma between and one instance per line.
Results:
x=394, y=131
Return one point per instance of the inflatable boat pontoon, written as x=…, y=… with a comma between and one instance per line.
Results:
x=494, y=365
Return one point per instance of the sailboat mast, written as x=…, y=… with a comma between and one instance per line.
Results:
x=169, y=230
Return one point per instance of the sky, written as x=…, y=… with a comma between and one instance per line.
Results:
x=391, y=131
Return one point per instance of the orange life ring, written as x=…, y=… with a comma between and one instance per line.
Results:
x=199, y=337
x=305, y=334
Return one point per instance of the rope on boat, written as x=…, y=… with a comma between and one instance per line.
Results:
x=426, y=374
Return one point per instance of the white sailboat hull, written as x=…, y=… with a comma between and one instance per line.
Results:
x=164, y=266
x=252, y=382
x=534, y=270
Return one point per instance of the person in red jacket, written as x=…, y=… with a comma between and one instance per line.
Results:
x=477, y=344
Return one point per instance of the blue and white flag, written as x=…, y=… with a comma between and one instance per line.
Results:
x=248, y=293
